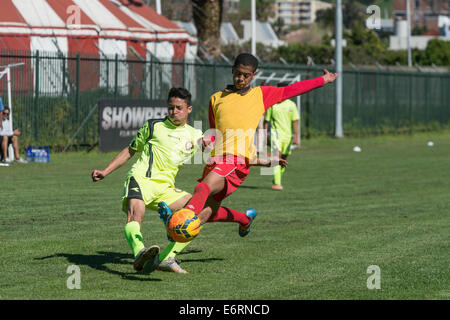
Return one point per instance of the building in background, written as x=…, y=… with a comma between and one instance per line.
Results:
x=295, y=12
x=444, y=26
x=429, y=15
x=424, y=13
x=399, y=40
x=231, y=6
x=264, y=32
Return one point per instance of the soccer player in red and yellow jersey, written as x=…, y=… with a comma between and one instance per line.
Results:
x=234, y=114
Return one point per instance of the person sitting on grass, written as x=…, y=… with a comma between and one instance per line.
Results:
x=8, y=136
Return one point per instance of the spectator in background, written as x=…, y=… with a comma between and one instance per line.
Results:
x=8, y=136
x=282, y=117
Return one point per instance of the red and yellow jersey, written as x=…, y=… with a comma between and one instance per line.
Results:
x=235, y=115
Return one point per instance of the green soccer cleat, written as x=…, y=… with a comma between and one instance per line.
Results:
x=144, y=256
x=245, y=230
x=170, y=265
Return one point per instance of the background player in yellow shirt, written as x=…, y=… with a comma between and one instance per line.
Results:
x=283, y=118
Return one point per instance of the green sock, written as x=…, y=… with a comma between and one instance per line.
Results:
x=134, y=237
x=277, y=175
x=172, y=250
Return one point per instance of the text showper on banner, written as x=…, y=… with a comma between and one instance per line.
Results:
x=120, y=119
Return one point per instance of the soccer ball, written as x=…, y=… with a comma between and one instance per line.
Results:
x=183, y=225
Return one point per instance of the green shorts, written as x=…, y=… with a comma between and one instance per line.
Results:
x=282, y=144
x=150, y=191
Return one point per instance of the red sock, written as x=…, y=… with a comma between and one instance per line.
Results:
x=201, y=193
x=229, y=215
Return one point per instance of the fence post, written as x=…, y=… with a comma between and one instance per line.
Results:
x=151, y=77
x=427, y=80
x=143, y=93
x=77, y=95
x=183, y=70
x=116, y=75
x=214, y=74
x=63, y=74
x=442, y=82
x=377, y=72
x=358, y=99
x=107, y=74
x=410, y=103
x=36, y=98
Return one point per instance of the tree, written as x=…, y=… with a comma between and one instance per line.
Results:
x=278, y=26
x=207, y=16
x=264, y=9
x=353, y=11
x=363, y=45
x=438, y=52
x=325, y=17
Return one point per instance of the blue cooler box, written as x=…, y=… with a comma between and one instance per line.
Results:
x=38, y=154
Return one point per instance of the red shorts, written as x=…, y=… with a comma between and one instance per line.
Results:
x=232, y=168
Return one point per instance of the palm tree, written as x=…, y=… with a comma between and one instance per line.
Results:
x=207, y=16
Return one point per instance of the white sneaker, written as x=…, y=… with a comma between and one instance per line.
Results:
x=20, y=160
x=170, y=265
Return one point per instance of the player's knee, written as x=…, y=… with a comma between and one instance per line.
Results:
x=134, y=217
x=215, y=182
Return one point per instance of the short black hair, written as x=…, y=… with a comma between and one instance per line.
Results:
x=283, y=84
x=246, y=59
x=181, y=93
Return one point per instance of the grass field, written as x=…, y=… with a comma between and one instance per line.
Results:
x=341, y=212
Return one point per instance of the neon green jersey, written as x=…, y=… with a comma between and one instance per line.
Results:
x=281, y=116
x=164, y=149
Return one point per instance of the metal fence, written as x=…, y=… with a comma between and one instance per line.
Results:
x=54, y=96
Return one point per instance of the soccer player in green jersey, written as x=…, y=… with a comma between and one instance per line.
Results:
x=282, y=117
x=165, y=145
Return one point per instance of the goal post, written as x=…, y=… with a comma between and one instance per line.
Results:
x=279, y=78
x=6, y=71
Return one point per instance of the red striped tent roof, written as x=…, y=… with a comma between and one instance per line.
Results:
x=129, y=20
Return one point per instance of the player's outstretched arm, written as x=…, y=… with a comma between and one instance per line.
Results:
x=121, y=158
x=272, y=95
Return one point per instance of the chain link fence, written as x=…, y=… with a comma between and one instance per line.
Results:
x=53, y=95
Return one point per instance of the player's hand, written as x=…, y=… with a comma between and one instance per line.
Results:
x=97, y=175
x=207, y=144
x=283, y=163
x=328, y=76
x=278, y=161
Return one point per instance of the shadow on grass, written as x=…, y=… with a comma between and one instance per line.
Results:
x=195, y=260
x=98, y=261
x=251, y=187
